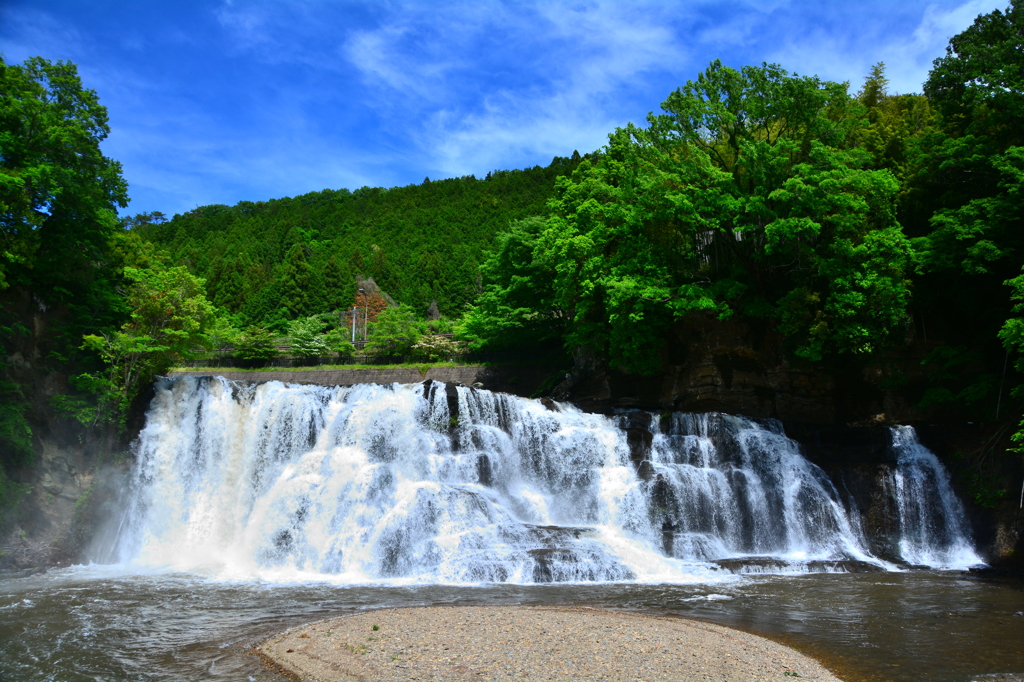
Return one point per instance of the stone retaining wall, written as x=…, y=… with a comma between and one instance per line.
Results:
x=523, y=381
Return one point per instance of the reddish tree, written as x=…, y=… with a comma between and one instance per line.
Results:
x=373, y=303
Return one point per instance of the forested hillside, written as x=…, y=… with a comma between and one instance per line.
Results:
x=273, y=261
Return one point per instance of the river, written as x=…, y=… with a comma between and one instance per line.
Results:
x=103, y=623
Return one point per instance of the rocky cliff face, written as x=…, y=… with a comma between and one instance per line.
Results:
x=741, y=366
x=73, y=488
x=73, y=477
x=838, y=413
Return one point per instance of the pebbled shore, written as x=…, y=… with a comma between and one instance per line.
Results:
x=535, y=643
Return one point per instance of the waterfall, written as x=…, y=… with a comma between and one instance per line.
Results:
x=443, y=483
x=933, y=529
x=725, y=486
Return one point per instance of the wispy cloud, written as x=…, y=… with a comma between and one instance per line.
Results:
x=255, y=99
x=907, y=47
x=512, y=82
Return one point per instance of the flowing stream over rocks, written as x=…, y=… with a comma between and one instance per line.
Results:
x=253, y=507
x=437, y=483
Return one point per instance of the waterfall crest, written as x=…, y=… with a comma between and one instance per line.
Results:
x=439, y=483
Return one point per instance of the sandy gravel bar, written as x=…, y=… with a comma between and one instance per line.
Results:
x=534, y=643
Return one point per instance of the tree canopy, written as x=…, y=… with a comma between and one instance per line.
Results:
x=58, y=193
x=746, y=194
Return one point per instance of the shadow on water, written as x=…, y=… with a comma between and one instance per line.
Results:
x=90, y=624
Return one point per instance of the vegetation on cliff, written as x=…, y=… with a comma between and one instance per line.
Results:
x=748, y=194
x=58, y=217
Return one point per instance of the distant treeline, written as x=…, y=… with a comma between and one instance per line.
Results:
x=273, y=261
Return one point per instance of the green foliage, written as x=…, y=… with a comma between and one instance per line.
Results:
x=339, y=342
x=969, y=181
x=82, y=409
x=11, y=495
x=395, y=332
x=306, y=338
x=170, y=321
x=516, y=307
x=281, y=259
x=15, y=432
x=984, y=491
x=256, y=343
x=744, y=195
x=978, y=86
x=57, y=191
x=894, y=125
x=435, y=347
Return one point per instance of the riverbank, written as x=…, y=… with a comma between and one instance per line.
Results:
x=536, y=643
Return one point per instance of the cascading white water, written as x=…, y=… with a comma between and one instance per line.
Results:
x=933, y=529
x=433, y=483
x=729, y=486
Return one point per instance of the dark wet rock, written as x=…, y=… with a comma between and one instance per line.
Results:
x=1011, y=568
x=483, y=470
x=645, y=471
x=637, y=420
x=741, y=564
x=639, y=441
x=557, y=533
x=451, y=392
x=845, y=565
x=554, y=564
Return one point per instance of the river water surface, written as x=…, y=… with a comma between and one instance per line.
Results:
x=101, y=623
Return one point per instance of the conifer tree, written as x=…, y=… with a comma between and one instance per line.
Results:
x=296, y=281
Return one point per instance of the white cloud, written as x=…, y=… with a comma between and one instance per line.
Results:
x=297, y=96
x=908, y=55
x=512, y=82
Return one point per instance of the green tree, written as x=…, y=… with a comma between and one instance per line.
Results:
x=517, y=306
x=435, y=346
x=306, y=337
x=339, y=342
x=58, y=200
x=58, y=193
x=969, y=185
x=977, y=159
x=746, y=194
x=395, y=331
x=295, y=282
x=977, y=84
x=338, y=286
x=170, y=321
x=256, y=343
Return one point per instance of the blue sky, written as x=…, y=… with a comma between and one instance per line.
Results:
x=218, y=102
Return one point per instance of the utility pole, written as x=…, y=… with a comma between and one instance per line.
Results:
x=356, y=311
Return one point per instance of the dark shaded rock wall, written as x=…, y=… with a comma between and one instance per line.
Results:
x=75, y=475
x=742, y=366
